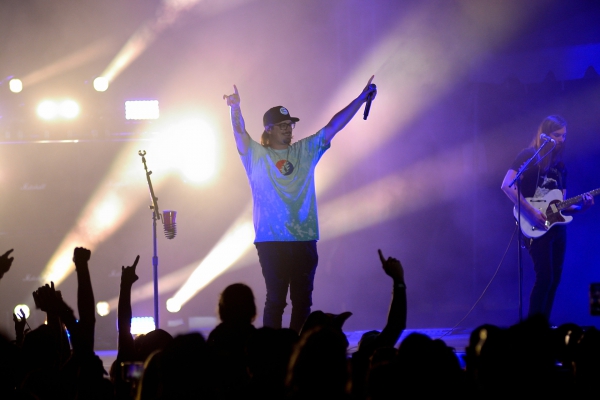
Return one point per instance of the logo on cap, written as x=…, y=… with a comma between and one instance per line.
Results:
x=284, y=111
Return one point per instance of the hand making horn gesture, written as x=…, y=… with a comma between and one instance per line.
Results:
x=233, y=99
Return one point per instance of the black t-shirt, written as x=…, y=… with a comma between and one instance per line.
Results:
x=535, y=183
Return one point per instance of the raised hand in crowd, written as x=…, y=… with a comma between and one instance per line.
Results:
x=385, y=340
x=5, y=262
x=50, y=301
x=128, y=276
x=85, y=299
x=20, y=322
x=132, y=351
x=126, y=350
x=392, y=268
x=58, y=316
x=396, y=322
x=45, y=298
x=85, y=367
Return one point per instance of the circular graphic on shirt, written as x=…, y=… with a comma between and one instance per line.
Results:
x=285, y=167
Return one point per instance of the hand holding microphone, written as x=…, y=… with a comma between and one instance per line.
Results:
x=371, y=88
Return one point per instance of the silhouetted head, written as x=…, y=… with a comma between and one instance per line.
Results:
x=366, y=344
x=318, y=366
x=268, y=354
x=40, y=348
x=322, y=319
x=150, y=342
x=179, y=371
x=236, y=304
x=565, y=339
x=481, y=336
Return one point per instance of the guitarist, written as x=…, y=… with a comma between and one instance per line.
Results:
x=545, y=173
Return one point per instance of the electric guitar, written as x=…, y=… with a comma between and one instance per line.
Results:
x=551, y=205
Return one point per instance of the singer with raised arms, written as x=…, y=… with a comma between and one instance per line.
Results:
x=543, y=208
x=281, y=177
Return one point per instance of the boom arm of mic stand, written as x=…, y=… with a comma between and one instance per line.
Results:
x=154, y=199
x=526, y=165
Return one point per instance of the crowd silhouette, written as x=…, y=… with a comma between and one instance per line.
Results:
x=56, y=360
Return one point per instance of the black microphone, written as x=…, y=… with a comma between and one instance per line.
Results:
x=169, y=227
x=369, y=99
x=547, y=138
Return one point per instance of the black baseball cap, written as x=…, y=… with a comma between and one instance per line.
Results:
x=277, y=114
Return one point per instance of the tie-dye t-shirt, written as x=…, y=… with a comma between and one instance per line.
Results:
x=283, y=189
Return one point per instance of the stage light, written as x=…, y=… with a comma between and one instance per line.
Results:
x=173, y=305
x=101, y=84
x=140, y=325
x=68, y=109
x=24, y=307
x=51, y=109
x=47, y=110
x=15, y=85
x=141, y=109
x=189, y=147
x=102, y=308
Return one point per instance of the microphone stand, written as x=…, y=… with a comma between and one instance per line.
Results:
x=519, y=253
x=155, y=216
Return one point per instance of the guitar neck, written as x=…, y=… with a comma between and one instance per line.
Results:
x=574, y=200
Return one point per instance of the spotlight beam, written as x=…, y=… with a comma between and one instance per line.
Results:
x=106, y=211
x=234, y=244
x=438, y=179
x=81, y=57
x=413, y=68
x=146, y=35
x=230, y=248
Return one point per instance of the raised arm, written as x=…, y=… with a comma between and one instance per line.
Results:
x=396, y=322
x=341, y=119
x=85, y=298
x=5, y=262
x=126, y=350
x=242, y=138
x=20, y=322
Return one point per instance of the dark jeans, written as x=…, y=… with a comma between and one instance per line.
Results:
x=548, y=255
x=286, y=264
